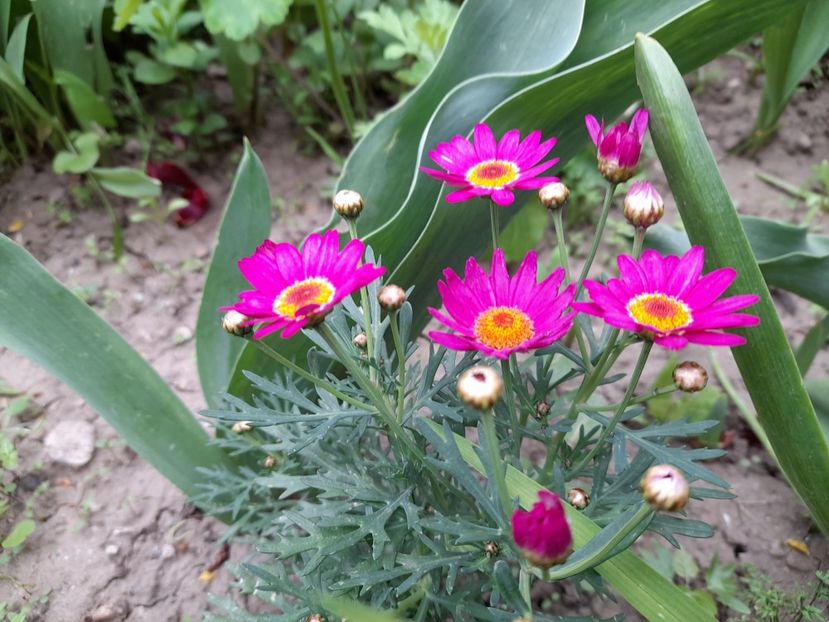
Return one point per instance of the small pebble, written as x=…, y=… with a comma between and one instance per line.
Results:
x=71, y=442
x=168, y=551
x=112, y=549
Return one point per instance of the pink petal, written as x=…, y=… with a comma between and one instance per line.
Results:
x=524, y=280
x=503, y=197
x=499, y=277
x=705, y=338
x=687, y=272
x=452, y=342
x=672, y=342
x=484, y=142
x=710, y=287
x=533, y=184
x=729, y=320
x=458, y=196
x=537, y=170
x=450, y=178
x=537, y=154
x=528, y=145
x=639, y=123
x=508, y=145
x=632, y=274
x=594, y=130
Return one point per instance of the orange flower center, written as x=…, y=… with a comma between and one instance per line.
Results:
x=660, y=312
x=503, y=327
x=306, y=296
x=492, y=174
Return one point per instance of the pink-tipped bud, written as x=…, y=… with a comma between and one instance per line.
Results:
x=391, y=297
x=234, y=323
x=554, y=195
x=690, y=376
x=480, y=387
x=240, y=427
x=665, y=488
x=543, y=534
x=269, y=462
x=360, y=340
x=578, y=498
x=348, y=203
x=643, y=205
x=619, y=149
x=317, y=617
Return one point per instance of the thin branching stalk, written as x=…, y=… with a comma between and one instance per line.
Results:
x=494, y=224
x=401, y=363
x=509, y=401
x=597, y=238
x=558, y=221
x=623, y=405
x=302, y=372
x=368, y=324
x=491, y=443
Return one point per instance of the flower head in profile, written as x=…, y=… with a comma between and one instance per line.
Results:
x=498, y=315
x=668, y=300
x=619, y=149
x=485, y=167
x=543, y=534
x=293, y=288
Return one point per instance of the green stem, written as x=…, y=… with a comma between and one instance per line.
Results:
x=337, y=83
x=642, y=398
x=368, y=324
x=597, y=238
x=379, y=400
x=299, y=371
x=491, y=443
x=558, y=220
x=524, y=585
x=493, y=224
x=568, y=570
x=509, y=395
x=401, y=363
x=634, y=380
x=638, y=241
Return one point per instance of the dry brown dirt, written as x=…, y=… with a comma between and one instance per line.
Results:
x=115, y=541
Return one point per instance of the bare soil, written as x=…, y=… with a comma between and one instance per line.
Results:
x=115, y=541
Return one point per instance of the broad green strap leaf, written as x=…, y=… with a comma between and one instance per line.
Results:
x=814, y=340
x=246, y=222
x=127, y=182
x=766, y=362
x=789, y=256
x=791, y=47
x=71, y=32
x=16, y=49
x=48, y=324
x=641, y=586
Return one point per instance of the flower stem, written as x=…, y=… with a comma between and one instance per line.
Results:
x=337, y=84
x=597, y=238
x=524, y=585
x=671, y=388
x=638, y=241
x=494, y=224
x=558, y=220
x=368, y=325
x=299, y=371
x=491, y=443
x=634, y=380
x=377, y=398
x=401, y=363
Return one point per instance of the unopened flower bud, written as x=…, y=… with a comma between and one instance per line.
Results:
x=480, y=387
x=553, y=196
x=360, y=340
x=269, y=462
x=233, y=322
x=317, y=617
x=348, y=203
x=690, y=376
x=665, y=488
x=643, y=205
x=543, y=534
x=391, y=297
x=542, y=409
x=578, y=498
x=491, y=549
x=240, y=427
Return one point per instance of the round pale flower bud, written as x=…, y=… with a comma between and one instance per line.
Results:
x=240, y=427
x=360, y=340
x=491, y=549
x=317, y=617
x=391, y=297
x=643, y=205
x=233, y=322
x=553, y=196
x=269, y=462
x=665, y=488
x=578, y=498
x=690, y=376
x=348, y=203
x=542, y=409
x=480, y=387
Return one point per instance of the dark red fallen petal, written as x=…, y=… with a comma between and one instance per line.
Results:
x=173, y=176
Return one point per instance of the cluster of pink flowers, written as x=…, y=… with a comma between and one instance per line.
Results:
x=665, y=299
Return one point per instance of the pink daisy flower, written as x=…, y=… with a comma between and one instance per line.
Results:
x=543, y=534
x=499, y=315
x=486, y=168
x=667, y=299
x=294, y=289
x=618, y=151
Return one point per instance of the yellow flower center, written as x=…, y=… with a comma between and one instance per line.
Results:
x=304, y=296
x=492, y=174
x=503, y=327
x=660, y=312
